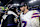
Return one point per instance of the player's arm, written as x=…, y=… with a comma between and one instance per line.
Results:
x=35, y=14
x=35, y=18
x=11, y=12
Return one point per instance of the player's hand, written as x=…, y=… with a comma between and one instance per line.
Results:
x=15, y=20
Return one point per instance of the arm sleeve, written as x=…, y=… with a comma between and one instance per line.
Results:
x=35, y=19
x=35, y=14
x=10, y=12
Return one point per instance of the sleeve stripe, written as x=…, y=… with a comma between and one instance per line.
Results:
x=35, y=16
x=35, y=13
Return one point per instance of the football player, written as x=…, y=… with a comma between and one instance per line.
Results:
x=9, y=19
x=29, y=18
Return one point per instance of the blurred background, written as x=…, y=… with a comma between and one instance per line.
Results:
x=6, y=4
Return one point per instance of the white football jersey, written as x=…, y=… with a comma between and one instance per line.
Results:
x=30, y=19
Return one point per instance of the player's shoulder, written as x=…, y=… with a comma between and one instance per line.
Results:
x=35, y=11
x=10, y=12
x=31, y=11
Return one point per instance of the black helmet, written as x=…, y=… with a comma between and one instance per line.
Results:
x=23, y=4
